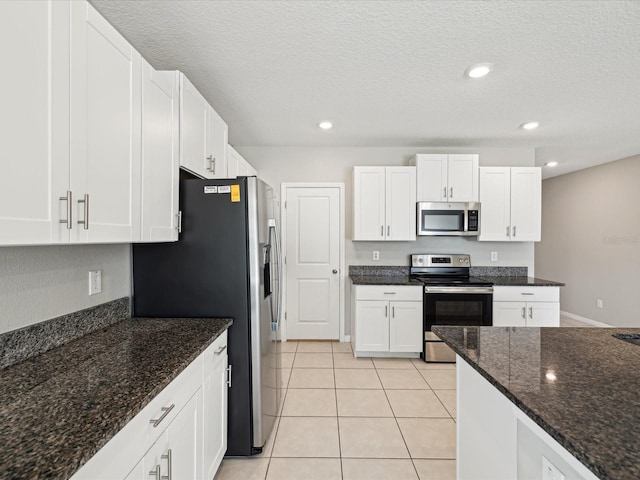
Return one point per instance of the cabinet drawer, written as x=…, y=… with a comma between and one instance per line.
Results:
x=214, y=354
x=526, y=294
x=388, y=292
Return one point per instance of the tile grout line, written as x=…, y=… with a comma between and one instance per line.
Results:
x=335, y=395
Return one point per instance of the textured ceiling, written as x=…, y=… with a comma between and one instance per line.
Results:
x=390, y=73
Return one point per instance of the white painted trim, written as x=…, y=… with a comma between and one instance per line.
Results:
x=342, y=234
x=585, y=320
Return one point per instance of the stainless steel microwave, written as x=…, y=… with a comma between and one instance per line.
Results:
x=448, y=219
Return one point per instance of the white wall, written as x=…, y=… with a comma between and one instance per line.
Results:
x=306, y=164
x=39, y=283
x=591, y=240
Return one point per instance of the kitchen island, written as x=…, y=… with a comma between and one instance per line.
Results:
x=555, y=399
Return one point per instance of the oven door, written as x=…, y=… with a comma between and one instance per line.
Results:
x=460, y=306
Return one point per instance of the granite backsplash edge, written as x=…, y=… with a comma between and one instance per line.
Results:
x=364, y=270
x=23, y=343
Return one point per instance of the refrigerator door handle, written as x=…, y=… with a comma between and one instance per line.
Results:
x=278, y=265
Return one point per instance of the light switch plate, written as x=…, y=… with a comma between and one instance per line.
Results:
x=95, y=282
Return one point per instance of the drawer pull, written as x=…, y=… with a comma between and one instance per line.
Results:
x=526, y=293
x=165, y=412
x=390, y=293
x=220, y=350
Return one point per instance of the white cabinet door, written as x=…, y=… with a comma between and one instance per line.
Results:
x=183, y=442
x=432, y=177
x=543, y=314
x=237, y=166
x=462, y=178
x=509, y=314
x=105, y=135
x=217, y=133
x=214, y=418
x=194, y=130
x=405, y=327
x=160, y=152
x=369, y=203
x=372, y=326
x=495, y=204
x=34, y=121
x=526, y=204
x=400, y=211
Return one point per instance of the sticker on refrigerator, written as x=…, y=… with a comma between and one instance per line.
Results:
x=210, y=189
x=235, y=193
x=224, y=189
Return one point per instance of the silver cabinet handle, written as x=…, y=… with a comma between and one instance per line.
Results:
x=85, y=221
x=508, y=231
x=165, y=412
x=229, y=376
x=210, y=162
x=156, y=472
x=393, y=312
x=382, y=230
x=389, y=293
x=451, y=192
x=220, y=350
x=213, y=165
x=69, y=201
x=386, y=311
x=167, y=457
x=514, y=231
x=530, y=312
x=444, y=193
x=526, y=293
x=388, y=230
x=179, y=222
x=524, y=312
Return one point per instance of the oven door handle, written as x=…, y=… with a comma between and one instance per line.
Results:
x=462, y=290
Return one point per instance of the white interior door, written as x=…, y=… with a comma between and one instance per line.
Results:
x=312, y=256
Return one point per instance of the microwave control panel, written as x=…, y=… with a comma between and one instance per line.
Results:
x=472, y=219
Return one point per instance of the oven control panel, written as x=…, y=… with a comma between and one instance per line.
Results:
x=435, y=260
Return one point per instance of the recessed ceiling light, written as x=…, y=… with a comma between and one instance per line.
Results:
x=530, y=125
x=325, y=125
x=478, y=70
x=551, y=164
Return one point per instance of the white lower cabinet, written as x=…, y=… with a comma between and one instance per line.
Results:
x=526, y=306
x=180, y=434
x=386, y=319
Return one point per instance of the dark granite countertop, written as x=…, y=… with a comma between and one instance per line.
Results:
x=383, y=280
x=502, y=281
x=505, y=281
x=591, y=403
x=59, y=408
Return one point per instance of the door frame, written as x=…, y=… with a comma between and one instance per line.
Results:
x=342, y=273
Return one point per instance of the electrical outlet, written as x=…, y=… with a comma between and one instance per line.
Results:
x=550, y=471
x=95, y=281
x=376, y=255
x=599, y=303
x=494, y=256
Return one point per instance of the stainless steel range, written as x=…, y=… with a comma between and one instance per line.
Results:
x=451, y=297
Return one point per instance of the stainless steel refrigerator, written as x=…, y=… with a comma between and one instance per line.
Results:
x=226, y=263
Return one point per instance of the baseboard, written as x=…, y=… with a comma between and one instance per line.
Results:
x=585, y=320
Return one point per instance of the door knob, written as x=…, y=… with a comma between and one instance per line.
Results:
x=335, y=271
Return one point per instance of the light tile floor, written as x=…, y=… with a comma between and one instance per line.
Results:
x=357, y=419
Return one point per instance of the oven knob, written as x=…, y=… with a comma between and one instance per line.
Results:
x=419, y=259
x=460, y=260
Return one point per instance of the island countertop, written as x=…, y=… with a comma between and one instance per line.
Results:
x=580, y=385
x=59, y=408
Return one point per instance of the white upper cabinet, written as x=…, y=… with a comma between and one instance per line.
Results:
x=237, y=166
x=447, y=178
x=160, y=155
x=384, y=203
x=203, y=134
x=34, y=121
x=71, y=119
x=510, y=199
x=104, y=130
